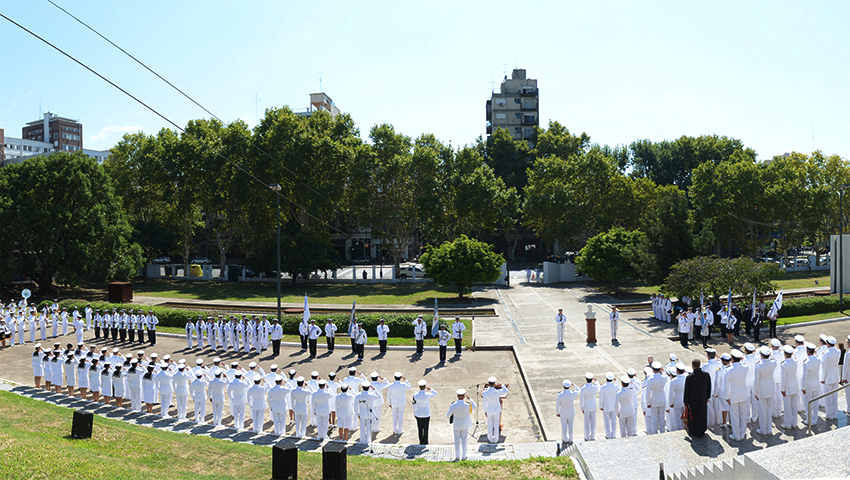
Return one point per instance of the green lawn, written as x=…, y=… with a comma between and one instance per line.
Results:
x=35, y=442
x=811, y=318
x=393, y=341
x=637, y=291
x=367, y=294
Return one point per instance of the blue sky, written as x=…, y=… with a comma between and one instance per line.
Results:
x=764, y=72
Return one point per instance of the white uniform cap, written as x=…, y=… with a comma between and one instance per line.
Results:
x=625, y=379
x=788, y=349
x=567, y=383
x=140, y=353
x=154, y=355
x=726, y=356
x=775, y=343
x=252, y=365
x=181, y=367
x=322, y=383
x=292, y=371
x=491, y=380
x=647, y=371
x=199, y=361
x=423, y=382
x=134, y=361
x=166, y=357
x=680, y=366
x=278, y=378
x=673, y=357
x=273, y=367
x=609, y=376
x=103, y=349
x=689, y=370
x=822, y=336
x=656, y=365
x=799, y=339
x=589, y=376
x=237, y=374
x=300, y=379
x=257, y=377
x=461, y=392
x=314, y=373
x=631, y=371
x=199, y=374
x=115, y=350
x=217, y=360
x=398, y=375
x=749, y=347
x=352, y=369
x=764, y=350
x=37, y=345
x=331, y=374
x=234, y=364
x=671, y=371
x=366, y=385
x=710, y=350
x=216, y=371
x=374, y=375
x=830, y=340
x=810, y=346
x=737, y=354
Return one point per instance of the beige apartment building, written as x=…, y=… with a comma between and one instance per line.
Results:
x=515, y=107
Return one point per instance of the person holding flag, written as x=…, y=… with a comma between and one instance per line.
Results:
x=419, y=332
x=352, y=327
x=773, y=315
x=304, y=327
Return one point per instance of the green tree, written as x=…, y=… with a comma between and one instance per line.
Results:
x=462, y=262
x=716, y=276
x=68, y=224
x=669, y=231
x=612, y=256
x=301, y=253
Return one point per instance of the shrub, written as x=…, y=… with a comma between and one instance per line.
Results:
x=401, y=325
x=808, y=306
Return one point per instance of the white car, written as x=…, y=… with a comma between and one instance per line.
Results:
x=406, y=270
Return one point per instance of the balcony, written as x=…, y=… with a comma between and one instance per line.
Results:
x=529, y=92
x=529, y=120
x=532, y=105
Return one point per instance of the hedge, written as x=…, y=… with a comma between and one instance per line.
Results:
x=401, y=325
x=799, y=307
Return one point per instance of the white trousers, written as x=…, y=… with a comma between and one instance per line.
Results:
x=739, y=415
x=830, y=403
x=493, y=427
x=567, y=428
x=279, y=419
x=322, y=427
x=218, y=413
x=165, y=403
x=189, y=340
x=200, y=409
x=301, y=420
x=609, y=420
x=136, y=399
x=676, y=422
x=258, y=417
x=614, y=329
x=461, y=437
x=590, y=425
x=627, y=426
x=559, y=327
x=238, y=410
x=376, y=418
x=182, y=401
x=659, y=420
x=365, y=428
x=765, y=415
x=398, y=419
x=790, y=404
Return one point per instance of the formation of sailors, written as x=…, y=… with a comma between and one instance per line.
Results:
x=755, y=385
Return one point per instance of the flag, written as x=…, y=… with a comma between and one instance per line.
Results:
x=701, y=303
x=729, y=304
x=351, y=321
x=306, y=318
x=777, y=304
x=753, y=317
x=435, y=324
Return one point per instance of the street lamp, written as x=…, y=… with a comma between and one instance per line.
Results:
x=276, y=188
x=841, y=246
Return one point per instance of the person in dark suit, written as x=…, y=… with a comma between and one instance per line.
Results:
x=697, y=394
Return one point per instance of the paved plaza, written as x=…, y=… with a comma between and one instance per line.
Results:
x=518, y=346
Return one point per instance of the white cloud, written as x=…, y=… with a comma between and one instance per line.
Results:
x=101, y=135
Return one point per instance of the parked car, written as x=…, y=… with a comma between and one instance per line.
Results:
x=161, y=260
x=202, y=261
x=361, y=261
x=406, y=271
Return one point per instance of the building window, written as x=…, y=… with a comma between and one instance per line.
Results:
x=517, y=115
x=517, y=100
x=501, y=102
x=500, y=116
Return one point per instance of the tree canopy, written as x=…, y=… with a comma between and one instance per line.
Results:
x=462, y=262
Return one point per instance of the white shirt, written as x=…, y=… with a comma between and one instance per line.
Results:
x=457, y=330
x=422, y=403
x=396, y=393
x=383, y=330
x=565, y=403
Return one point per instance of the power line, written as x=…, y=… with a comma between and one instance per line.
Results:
x=253, y=144
x=181, y=129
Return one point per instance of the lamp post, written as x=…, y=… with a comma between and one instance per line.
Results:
x=841, y=246
x=276, y=188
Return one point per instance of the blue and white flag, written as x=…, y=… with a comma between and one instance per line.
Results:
x=729, y=304
x=435, y=324
x=701, y=303
x=754, y=305
x=777, y=304
x=352, y=321
x=306, y=319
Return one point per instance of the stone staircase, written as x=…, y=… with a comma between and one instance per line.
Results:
x=735, y=468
